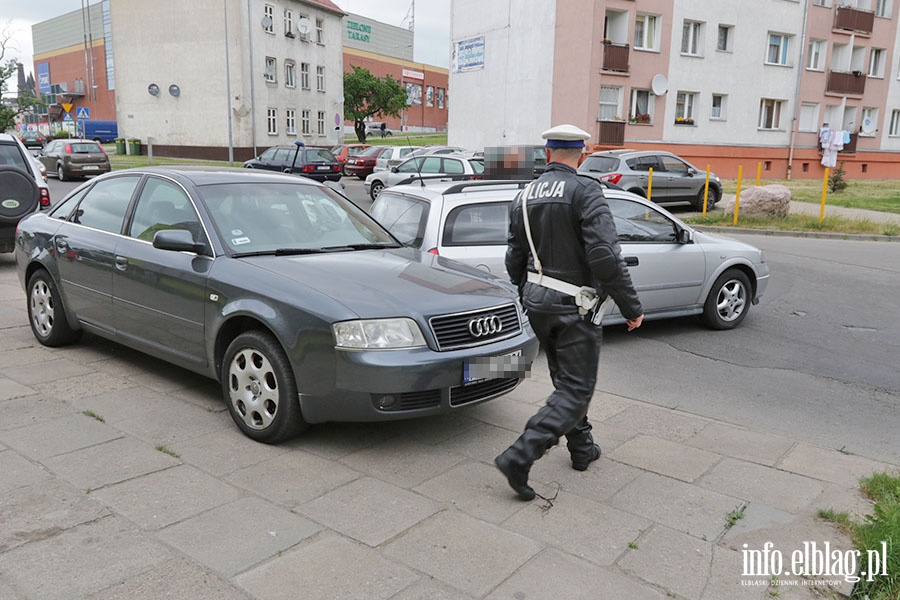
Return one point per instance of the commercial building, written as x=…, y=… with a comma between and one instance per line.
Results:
x=721, y=82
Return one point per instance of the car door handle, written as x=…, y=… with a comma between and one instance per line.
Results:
x=121, y=263
x=631, y=261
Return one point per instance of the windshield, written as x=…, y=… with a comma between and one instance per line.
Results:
x=85, y=147
x=270, y=217
x=599, y=164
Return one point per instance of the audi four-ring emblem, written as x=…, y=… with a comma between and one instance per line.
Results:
x=483, y=326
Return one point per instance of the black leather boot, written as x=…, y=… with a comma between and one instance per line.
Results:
x=581, y=446
x=584, y=457
x=516, y=474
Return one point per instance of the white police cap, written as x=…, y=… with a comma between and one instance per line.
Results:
x=565, y=136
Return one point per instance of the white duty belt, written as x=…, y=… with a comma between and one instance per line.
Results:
x=586, y=297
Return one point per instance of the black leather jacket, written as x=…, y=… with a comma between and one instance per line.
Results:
x=575, y=238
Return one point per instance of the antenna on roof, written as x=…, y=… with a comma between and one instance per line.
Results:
x=418, y=163
x=410, y=18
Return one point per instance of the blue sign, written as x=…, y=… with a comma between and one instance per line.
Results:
x=67, y=117
x=468, y=55
x=43, y=72
x=84, y=113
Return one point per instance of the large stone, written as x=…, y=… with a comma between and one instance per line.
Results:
x=760, y=201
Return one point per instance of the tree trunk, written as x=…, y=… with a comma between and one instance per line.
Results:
x=360, y=128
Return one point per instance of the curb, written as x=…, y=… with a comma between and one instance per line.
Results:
x=801, y=234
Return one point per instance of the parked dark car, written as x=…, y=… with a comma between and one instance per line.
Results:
x=310, y=161
x=32, y=139
x=74, y=158
x=363, y=163
x=302, y=306
x=23, y=190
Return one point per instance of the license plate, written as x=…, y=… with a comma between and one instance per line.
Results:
x=483, y=368
x=323, y=168
x=90, y=167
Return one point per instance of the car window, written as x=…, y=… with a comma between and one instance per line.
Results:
x=320, y=155
x=599, y=164
x=354, y=150
x=477, y=225
x=405, y=151
x=477, y=166
x=268, y=154
x=431, y=164
x=403, y=216
x=638, y=223
x=63, y=209
x=12, y=157
x=410, y=166
x=643, y=163
x=674, y=165
x=163, y=205
x=283, y=155
x=453, y=166
x=105, y=204
x=85, y=147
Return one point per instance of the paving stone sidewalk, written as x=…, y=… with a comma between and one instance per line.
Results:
x=124, y=477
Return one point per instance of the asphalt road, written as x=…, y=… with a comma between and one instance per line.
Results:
x=816, y=360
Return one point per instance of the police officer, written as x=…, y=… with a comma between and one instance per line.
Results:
x=564, y=256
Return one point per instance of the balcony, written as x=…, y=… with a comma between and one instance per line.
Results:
x=611, y=133
x=615, y=57
x=846, y=84
x=847, y=18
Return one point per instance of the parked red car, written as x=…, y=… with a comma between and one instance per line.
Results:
x=345, y=151
x=363, y=163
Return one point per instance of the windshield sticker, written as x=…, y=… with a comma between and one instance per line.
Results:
x=236, y=232
x=240, y=241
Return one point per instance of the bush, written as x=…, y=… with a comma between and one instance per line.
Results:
x=836, y=181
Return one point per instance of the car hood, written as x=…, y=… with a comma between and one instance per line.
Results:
x=708, y=239
x=384, y=283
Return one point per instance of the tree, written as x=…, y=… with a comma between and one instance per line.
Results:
x=25, y=100
x=366, y=95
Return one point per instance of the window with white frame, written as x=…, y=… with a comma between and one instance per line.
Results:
x=883, y=8
x=320, y=31
x=610, y=102
x=304, y=121
x=770, y=113
x=320, y=79
x=894, y=130
x=717, y=107
x=290, y=121
x=288, y=22
x=304, y=76
x=269, y=18
x=646, y=32
x=320, y=122
x=684, y=107
x=641, y=104
x=815, y=55
x=272, y=121
x=270, y=73
x=868, y=122
x=809, y=117
x=825, y=3
x=778, y=48
x=876, y=63
x=290, y=74
x=691, y=43
x=725, y=41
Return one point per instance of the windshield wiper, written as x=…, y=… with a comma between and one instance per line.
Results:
x=278, y=252
x=361, y=247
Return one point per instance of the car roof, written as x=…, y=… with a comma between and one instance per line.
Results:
x=212, y=175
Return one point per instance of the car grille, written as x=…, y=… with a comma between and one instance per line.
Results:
x=423, y=399
x=481, y=391
x=454, y=331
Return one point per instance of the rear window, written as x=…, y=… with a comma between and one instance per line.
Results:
x=599, y=164
x=11, y=156
x=484, y=224
x=319, y=155
x=403, y=216
x=85, y=147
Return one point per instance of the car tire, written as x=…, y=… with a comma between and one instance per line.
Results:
x=362, y=177
x=46, y=312
x=20, y=194
x=260, y=390
x=61, y=173
x=714, y=196
x=375, y=189
x=728, y=301
x=697, y=204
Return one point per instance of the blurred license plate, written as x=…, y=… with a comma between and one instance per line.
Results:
x=90, y=167
x=483, y=368
x=323, y=168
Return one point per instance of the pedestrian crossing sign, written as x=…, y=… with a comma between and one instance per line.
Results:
x=83, y=113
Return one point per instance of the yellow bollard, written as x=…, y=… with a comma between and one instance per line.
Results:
x=824, y=193
x=650, y=185
x=758, y=173
x=706, y=191
x=737, y=196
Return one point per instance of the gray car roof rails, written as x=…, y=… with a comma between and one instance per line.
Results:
x=464, y=187
x=446, y=177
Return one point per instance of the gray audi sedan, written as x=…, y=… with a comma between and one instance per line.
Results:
x=303, y=307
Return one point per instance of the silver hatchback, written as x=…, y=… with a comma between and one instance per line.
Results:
x=674, y=179
x=677, y=270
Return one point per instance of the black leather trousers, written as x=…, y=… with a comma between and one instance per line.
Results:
x=572, y=346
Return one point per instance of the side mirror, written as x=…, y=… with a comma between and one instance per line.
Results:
x=178, y=240
x=394, y=170
x=685, y=236
x=691, y=172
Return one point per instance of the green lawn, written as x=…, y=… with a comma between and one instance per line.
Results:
x=873, y=194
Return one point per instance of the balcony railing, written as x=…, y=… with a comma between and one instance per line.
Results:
x=853, y=19
x=611, y=133
x=615, y=57
x=841, y=82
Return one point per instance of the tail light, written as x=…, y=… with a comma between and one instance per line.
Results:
x=612, y=178
x=68, y=148
x=433, y=251
x=308, y=169
x=45, y=198
x=336, y=168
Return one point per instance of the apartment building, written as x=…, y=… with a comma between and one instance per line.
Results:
x=720, y=82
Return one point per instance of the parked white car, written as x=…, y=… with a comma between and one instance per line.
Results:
x=457, y=165
x=397, y=155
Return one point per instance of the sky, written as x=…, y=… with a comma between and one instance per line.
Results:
x=432, y=24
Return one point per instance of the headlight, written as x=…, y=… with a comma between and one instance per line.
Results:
x=378, y=333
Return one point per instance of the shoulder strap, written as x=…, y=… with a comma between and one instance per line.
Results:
x=537, y=261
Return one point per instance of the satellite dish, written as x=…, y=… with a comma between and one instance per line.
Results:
x=267, y=22
x=304, y=26
x=659, y=84
x=868, y=126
